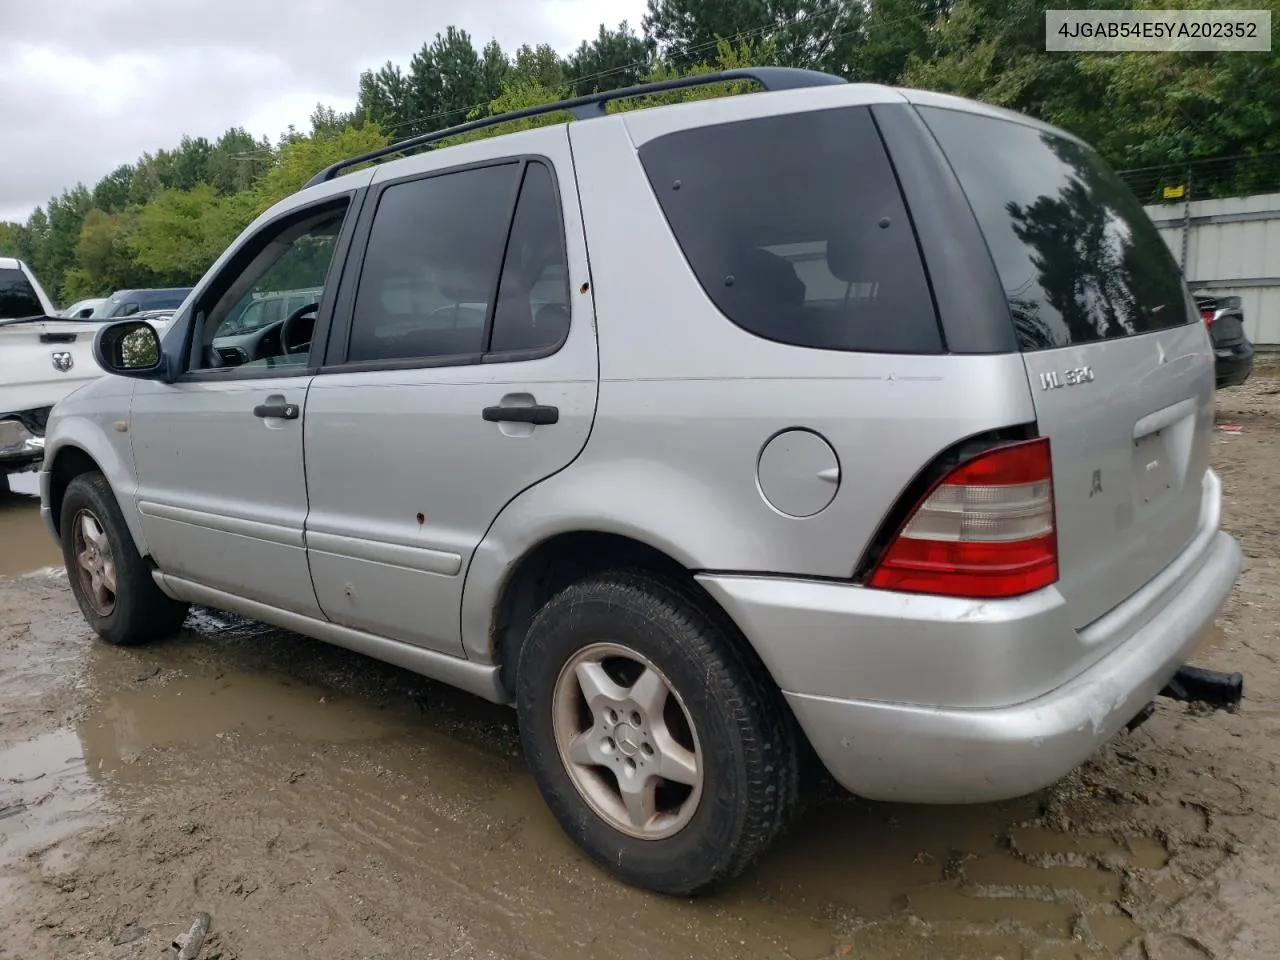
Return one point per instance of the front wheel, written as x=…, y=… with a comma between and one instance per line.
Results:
x=659, y=747
x=110, y=581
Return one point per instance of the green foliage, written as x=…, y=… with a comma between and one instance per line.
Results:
x=299, y=158
x=165, y=218
x=614, y=59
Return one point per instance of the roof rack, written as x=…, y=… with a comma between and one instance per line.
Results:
x=596, y=105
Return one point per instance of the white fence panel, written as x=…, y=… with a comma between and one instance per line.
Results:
x=1232, y=247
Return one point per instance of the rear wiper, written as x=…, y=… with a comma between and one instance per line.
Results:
x=37, y=319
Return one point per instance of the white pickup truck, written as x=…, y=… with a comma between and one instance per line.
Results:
x=42, y=359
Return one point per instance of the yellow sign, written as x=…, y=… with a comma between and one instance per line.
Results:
x=1175, y=193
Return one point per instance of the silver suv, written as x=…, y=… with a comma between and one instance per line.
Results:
x=832, y=417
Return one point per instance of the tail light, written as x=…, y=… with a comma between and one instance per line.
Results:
x=1207, y=316
x=986, y=530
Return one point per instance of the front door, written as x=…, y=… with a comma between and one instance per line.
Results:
x=222, y=493
x=468, y=374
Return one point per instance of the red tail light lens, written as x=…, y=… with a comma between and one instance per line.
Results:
x=986, y=530
x=1207, y=317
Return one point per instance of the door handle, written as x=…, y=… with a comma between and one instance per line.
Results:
x=538, y=414
x=279, y=411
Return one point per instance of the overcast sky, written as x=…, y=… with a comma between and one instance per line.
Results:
x=91, y=84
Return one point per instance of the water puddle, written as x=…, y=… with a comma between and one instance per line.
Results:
x=46, y=796
x=25, y=544
x=241, y=762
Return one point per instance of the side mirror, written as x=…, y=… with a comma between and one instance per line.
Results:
x=130, y=348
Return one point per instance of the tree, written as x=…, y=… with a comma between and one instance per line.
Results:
x=614, y=59
x=298, y=160
x=540, y=64
x=821, y=34
x=895, y=31
x=445, y=82
x=181, y=232
x=1171, y=108
x=383, y=96
x=9, y=238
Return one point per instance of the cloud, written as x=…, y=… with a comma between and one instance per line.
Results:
x=92, y=84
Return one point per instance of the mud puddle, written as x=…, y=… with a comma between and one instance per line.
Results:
x=300, y=792
x=25, y=544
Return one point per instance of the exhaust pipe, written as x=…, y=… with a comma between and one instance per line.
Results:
x=1222, y=691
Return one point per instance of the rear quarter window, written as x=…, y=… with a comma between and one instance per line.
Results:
x=796, y=229
x=17, y=296
x=1078, y=257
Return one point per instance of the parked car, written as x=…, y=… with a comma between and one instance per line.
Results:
x=82, y=309
x=1232, y=349
x=43, y=358
x=124, y=303
x=868, y=419
x=41, y=361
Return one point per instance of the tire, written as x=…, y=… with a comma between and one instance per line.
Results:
x=136, y=611
x=739, y=731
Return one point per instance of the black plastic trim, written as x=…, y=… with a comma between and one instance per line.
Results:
x=972, y=307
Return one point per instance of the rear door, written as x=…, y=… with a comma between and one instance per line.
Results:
x=466, y=374
x=1119, y=366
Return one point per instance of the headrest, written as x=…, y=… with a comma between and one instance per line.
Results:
x=763, y=274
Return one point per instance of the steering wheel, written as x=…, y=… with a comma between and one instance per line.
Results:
x=287, y=344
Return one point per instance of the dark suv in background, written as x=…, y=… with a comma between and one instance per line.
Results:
x=1232, y=349
x=125, y=303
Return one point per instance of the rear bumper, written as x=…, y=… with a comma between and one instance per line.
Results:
x=925, y=723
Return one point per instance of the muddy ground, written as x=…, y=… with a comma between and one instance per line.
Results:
x=319, y=804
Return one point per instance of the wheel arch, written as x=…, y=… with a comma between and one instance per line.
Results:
x=81, y=448
x=68, y=463
x=561, y=559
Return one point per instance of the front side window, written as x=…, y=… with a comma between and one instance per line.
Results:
x=246, y=326
x=796, y=228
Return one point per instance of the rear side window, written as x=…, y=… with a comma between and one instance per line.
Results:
x=438, y=250
x=432, y=264
x=1078, y=257
x=532, y=312
x=17, y=296
x=796, y=229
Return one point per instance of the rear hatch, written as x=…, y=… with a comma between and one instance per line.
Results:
x=42, y=361
x=1116, y=356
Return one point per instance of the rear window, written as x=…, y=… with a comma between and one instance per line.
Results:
x=796, y=229
x=17, y=296
x=1078, y=257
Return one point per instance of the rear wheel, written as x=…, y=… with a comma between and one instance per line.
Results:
x=659, y=747
x=111, y=583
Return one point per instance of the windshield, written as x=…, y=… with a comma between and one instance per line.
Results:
x=17, y=296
